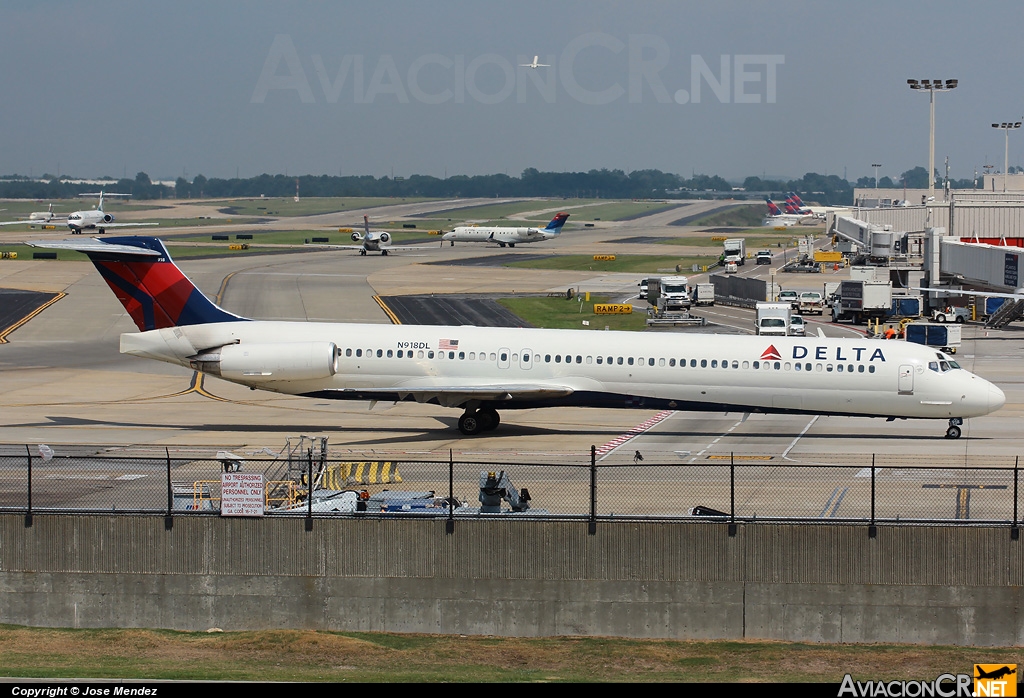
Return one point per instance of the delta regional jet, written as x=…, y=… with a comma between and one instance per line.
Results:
x=506, y=236
x=480, y=370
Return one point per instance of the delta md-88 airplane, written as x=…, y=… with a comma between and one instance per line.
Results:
x=482, y=369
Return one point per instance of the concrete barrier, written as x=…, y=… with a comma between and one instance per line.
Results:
x=685, y=580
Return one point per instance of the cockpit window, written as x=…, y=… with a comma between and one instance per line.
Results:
x=953, y=364
x=944, y=365
x=934, y=365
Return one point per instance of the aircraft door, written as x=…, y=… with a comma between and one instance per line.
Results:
x=503, y=357
x=525, y=359
x=906, y=380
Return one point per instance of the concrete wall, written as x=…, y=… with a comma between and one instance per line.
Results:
x=829, y=583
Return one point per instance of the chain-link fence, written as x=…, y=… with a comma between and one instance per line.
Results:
x=740, y=488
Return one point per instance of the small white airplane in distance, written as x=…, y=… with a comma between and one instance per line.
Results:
x=97, y=218
x=506, y=236
x=43, y=216
x=535, y=64
x=482, y=369
x=35, y=218
x=372, y=240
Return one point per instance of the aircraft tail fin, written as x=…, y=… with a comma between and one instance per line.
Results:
x=555, y=226
x=773, y=210
x=140, y=272
x=366, y=225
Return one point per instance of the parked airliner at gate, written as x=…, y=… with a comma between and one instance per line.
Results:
x=482, y=369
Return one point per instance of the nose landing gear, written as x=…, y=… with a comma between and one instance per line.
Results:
x=953, y=432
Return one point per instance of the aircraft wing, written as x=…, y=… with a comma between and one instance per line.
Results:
x=457, y=395
x=987, y=294
x=52, y=221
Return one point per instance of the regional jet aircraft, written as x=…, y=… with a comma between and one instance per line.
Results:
x=372, y=240
x=483, y=369
x=35, y=218
x=506, y=236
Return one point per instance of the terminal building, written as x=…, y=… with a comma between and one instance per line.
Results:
x=967, y=239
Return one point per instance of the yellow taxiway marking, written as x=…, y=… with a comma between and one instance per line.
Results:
x=387, y=310
x=197, y=385
x=6, y=331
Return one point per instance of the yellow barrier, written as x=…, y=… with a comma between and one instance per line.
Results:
x=718, y=238
x=338, y=476
x=613, y=309
x=344, y=230
x=433, y=232
x=604, y=258
x=8, y=255
x=243, y=246
x=828, y=257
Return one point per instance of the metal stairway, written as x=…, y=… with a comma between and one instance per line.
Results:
x=1007, y=313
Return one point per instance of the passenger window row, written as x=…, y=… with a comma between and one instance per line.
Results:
x=621, y=361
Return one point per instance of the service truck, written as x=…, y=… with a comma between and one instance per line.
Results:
x=669, y=293
x=704, y=294
x=773, y=318
x=735, y=251
x=860, y=301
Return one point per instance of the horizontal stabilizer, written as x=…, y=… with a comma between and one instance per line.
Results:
x=95, y=245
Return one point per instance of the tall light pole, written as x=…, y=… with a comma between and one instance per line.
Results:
x=1007, y=126
x=876, y=166
x=932, y=86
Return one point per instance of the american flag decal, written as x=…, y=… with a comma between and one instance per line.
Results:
x=448, y=344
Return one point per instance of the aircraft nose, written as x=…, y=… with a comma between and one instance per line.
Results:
x=996, y=398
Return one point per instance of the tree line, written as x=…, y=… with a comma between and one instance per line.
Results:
x=603, y=183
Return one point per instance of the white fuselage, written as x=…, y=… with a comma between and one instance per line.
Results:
x=538, y=367
x=80, y=220
x=503, y=236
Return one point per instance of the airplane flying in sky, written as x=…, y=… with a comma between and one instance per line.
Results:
x=483, y=369
x=506, y=236
x=98, y=218
x=535, y=64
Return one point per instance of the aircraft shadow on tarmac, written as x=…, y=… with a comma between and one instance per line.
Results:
x=451, y=424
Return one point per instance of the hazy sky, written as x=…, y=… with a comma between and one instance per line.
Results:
x=732, y=88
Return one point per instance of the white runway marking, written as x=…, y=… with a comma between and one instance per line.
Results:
x=799, y=436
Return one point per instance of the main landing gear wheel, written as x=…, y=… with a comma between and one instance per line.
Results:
x=472, y=423
x=953, y=432
x=469, y=424
x=489, y=417
x=362, y=253
x=384, y=253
